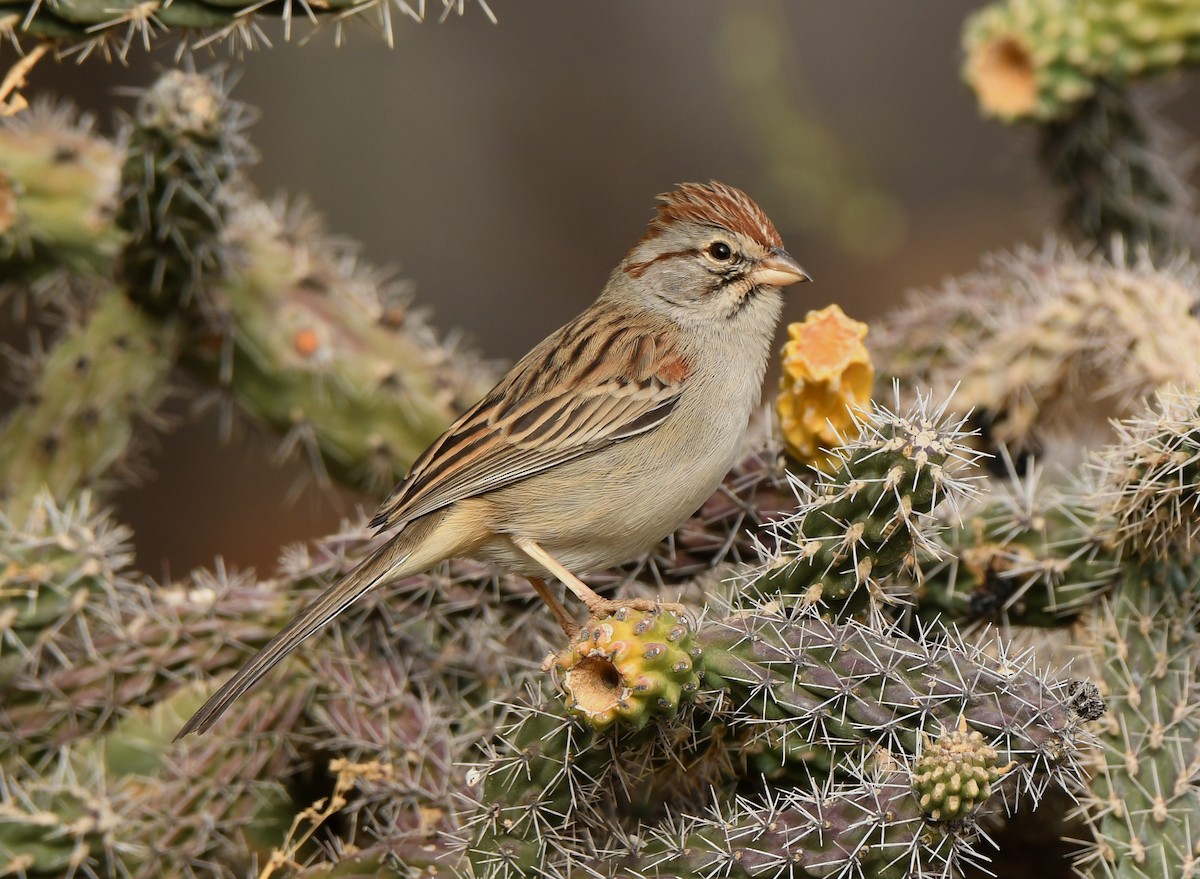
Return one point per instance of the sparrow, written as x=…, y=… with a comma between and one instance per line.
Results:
x=603, y=439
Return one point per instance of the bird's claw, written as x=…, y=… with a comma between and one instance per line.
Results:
x=607, y=607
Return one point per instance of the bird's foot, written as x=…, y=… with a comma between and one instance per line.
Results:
x=607, y=607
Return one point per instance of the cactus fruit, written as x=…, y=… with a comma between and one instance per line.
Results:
x=1045, y=344
x=955, y=773
x=630, y=667
x=827, y=374
x=1038, y=59
x=864, y=522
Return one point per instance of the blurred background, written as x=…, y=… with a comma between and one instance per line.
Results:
x=504, y=169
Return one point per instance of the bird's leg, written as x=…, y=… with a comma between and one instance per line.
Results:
x=569, y=626
x=597, y=605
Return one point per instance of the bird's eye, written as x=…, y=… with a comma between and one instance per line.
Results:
x=720, y=251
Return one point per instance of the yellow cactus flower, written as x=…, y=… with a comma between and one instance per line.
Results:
x=827, y=371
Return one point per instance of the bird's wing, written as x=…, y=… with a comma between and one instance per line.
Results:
x=595, y=382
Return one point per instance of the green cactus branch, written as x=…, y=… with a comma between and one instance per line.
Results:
x=1144, y=802
x=864, y=523
x=557, y=790
x=113, y=28
x=1038, y=59
x=1048, y=342
x=1024, y=555
x=80, y=415
x=1123, y=183
x=288, y=327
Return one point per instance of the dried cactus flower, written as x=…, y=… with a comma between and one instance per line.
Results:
x=630, y=666
x=955, y=772
x=827, y=373
x=1037, y=59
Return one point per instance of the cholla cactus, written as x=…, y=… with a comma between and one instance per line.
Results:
x=1122, y=177
x=816, y=720
x=1148, y=483
x=79, y=27
x=557, y=795
x=1024, y=553
x=866, y=521
x=1048, y=343
x=84, y=404
x=238, y=270
x=1037, y=59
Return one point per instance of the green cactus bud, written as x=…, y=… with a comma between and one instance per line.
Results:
x=631, y=666
x=954, y=774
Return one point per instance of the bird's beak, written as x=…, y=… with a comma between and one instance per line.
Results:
x=778, y=269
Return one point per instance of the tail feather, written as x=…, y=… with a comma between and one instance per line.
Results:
x=383, y=565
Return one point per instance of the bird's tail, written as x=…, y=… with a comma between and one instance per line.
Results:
x=392, y=561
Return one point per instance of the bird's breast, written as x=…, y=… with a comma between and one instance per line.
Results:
x=609, y=507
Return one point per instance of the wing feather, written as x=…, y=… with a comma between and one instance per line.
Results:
x=595, y=382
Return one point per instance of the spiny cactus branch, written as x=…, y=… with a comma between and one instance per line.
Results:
x=89, y=395
x=1122, y=181
x=286, y=325
x=1038, y=59
x=113, y=29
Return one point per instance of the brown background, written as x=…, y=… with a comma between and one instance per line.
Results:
x=505, y=169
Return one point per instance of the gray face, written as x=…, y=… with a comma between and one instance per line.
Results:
x=698, y=274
